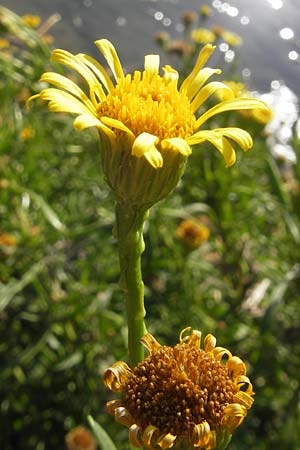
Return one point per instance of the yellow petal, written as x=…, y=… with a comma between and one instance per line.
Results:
x=199, y=81
x=114, y=123
x=148, y=434
x=201, y=60
x=123, y=416
x=209, y=343
x=166, y=441
x=152, y=64
x=178, y=144
x=150, y=343
x=99, y=70
x=209, y=90
x=236, y=367
x=231, y=105
x=240, y=136
x=64, y=83
x=86, y=121
x=144, y=145
x=243, y=399
x=201, y=434
x=200, y=136
x=111, y=56
x=225, y=148
x=170, y=74
x=73, y=62
x=135, y=435
x=233, y=415
x=60, y=101
x=219, y=352
x=116, y=376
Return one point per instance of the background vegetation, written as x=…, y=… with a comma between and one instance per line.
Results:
x=61, y=313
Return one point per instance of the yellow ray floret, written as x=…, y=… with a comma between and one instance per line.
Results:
x=146, y=109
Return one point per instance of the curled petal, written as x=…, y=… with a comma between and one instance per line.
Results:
x=240, y=136
x=201, y=434
x=166, y=441
x=233, y=416
x=195, y=338
x=236, y=366
x=212, y=443
x=183, y=338
x=111, y=56
x=116, y=376
x=113, y=405
x=123, y=416
x=144, y=145
x=135, y=435
x=244, y=399
x=177, y=144
x=244, y=384
x=149, y=434
x=86, y=121
x=225, y=148
x=200, y=136
x=209, y=343
x=220, y=352
x=150, y=343
x=170, y=74
x=200, y=80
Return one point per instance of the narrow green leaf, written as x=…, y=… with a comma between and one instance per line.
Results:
x=48, y=212
x=10, y=290
x=102, y=437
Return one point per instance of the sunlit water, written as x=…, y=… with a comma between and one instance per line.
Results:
x=268, y=61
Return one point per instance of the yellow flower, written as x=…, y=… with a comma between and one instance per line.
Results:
x=181, y=395
x=203, y=36
x=7, y=240
x=146, y=122
x=239, y=90
x=4, y=43
x=192, y=232
x=31, y=20
x=26, y=133
x=205, y=11
x=231, y=38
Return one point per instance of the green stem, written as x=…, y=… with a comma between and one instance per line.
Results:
x=129, y=228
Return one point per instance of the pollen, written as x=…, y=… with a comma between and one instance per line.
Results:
x=175, y=389
x=147, y=102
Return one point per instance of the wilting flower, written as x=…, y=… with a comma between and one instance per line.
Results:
x=192, y=232
x=146, y=123
x=80, y=438
x=181, y=395
x=203, y=36
x=189, y=17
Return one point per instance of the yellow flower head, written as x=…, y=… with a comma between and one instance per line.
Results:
x=147, y=123
x=31, y=20
x=203, y=36
x=192, y=232
x=181, y=395
x=205, y=11
x=231, y=38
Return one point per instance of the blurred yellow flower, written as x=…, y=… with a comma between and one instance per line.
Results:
x=231, y=38
x=4, y=43
x=182, y=395
x=31, y=20
x=146, y=122
x=26, y=133
x=7, y=240
x=203, y=36
x=192, y=232
x=48, y=39
x=239, y=90
x=205, y=11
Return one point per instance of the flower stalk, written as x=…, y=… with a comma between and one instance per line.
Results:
x=129, y=230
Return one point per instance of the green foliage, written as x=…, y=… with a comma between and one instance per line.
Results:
x=61, y=312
